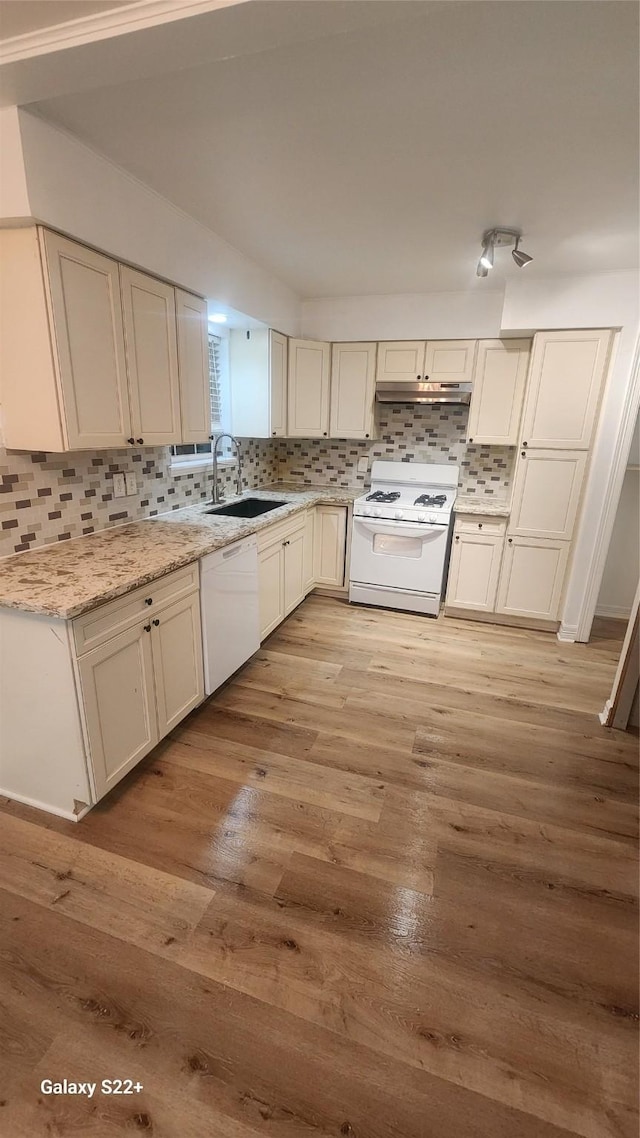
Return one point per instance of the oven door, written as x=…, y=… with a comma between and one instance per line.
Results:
x=398, y=555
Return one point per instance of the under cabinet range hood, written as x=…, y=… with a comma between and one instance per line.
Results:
x=423, y=391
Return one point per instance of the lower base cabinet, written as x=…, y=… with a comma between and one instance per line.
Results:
x=474, y=570
x=532, y=577
x=329, y=546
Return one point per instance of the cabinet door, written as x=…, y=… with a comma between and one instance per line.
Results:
x=498, y=392
x=400, y=361
x=278, y=383
x=546, y=493
x=353, y=379
x=308, y=389
x=119, y=704
x=532, y=577
x=474, y=571
x=149, y=308
x=270, y=577
x=309, y=529
x=450, y=361
x=565, y=382
x=176, y=641
x=193, y=367
x=293, y=563
x=86, y=315
x=329, y=545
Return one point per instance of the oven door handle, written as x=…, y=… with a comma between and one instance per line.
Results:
x=415, y=529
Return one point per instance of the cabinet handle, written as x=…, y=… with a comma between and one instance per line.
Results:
x=510, y=540
x=418, y=377
x=470, y=440
x=366, y=436
x=147, y=628
x=148, y=600
x=457, y=537
x=139, y=441
x=523, y=453
x=131, y=441
x=325, y=434
x=286, y=543
x=273, y=432
x=479, y=525
x=155, y=623
x=525, y=444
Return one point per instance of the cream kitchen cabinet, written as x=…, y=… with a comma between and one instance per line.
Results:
x=474, y=569
x=149, y=307
x=532, y=577
x=330, y=546
x=308, y=394
x=563, y=393
x=309, y=567
x=546, y=493
x=107, y=686
x=283, y=558
x=193, y=367
x=258, y=382
x=449, y=361
x=400, y=361
x=353, y=378
x=498, y=392
x=71, y=380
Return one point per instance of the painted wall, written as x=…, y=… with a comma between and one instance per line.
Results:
x=599, y=300
x=14, y=199
x=76, y=190
x=622, y=568
x=414, y=316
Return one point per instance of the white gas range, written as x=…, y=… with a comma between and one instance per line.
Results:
x=401, y=536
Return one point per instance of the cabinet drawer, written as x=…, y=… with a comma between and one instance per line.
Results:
x=100, y=624
x=281, y=530
x=475, y=523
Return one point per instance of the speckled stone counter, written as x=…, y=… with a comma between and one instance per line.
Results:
x=466, y=504
x=68, y=579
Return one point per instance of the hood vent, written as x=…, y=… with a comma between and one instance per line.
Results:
x=423, y=392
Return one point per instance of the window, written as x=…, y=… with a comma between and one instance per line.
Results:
x=187, y=452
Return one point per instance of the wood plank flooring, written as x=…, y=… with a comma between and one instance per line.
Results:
x=383, y=885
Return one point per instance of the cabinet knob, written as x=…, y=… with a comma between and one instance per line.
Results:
x=470, y=440
x=457, y=537
x=273, y=432
x=366, y=436
x=510, y=540
x=523, y=453
x=155, y=623
x=139, y=441
x=418, y=377
x=479, y=525
x=525, y=444
x=148, y=600
x=132, y=441
x=325, y=434
x=286, y=543
x=147, y=628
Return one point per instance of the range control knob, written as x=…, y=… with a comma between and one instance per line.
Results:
x=421, y=517
x=376, y=513
x=398, y=514
x=432, y=518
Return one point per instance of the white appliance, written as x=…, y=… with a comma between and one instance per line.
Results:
x=401, y=536
x=229, y=603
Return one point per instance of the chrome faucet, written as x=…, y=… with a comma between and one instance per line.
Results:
x=215, y=492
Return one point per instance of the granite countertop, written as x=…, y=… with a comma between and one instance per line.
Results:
x=66, y=579
x=490, y=507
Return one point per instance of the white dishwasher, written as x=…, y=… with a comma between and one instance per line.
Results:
x=230, y=617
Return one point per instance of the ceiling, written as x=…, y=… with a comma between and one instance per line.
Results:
x=369, y=156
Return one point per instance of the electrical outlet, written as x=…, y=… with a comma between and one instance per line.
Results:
x=131, y=483
x=363, y=465
x=119, y=486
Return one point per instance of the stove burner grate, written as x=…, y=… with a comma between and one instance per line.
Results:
x=383, y=496
x=438, y=500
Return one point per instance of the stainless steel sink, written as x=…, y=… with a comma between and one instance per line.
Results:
x=246, y=508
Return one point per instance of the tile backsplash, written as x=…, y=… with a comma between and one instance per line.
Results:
x=47, y=497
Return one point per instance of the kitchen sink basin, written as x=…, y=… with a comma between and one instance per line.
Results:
x=246, y=508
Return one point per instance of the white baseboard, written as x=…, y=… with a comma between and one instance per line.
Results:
x=567, y=634
x=68, y=814
x=605, y=713
x=618, y=612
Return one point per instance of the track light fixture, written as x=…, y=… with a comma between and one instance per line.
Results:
x=496, y=238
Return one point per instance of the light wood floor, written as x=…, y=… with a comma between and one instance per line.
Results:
x=383, y=885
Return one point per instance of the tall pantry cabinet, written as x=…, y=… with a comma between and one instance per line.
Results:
x=562, y=400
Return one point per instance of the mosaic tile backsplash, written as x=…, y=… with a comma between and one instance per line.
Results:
x=47, y=497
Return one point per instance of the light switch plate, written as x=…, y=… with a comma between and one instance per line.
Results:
x=363, y=465
x=131, y=483
x=119, y=486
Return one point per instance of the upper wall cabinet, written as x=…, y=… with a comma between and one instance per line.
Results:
x=498, y=392
x=309, y=362
x=193, y=367
x=149, y=308
x=258, y=374
x=565, y=382
x=68, y=381
x=353, y=378
x=449, y=361
x=400, y=361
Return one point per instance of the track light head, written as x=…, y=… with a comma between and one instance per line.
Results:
x=486, y=257
x=496, y=238
x=520, y=257
x=482, y=270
